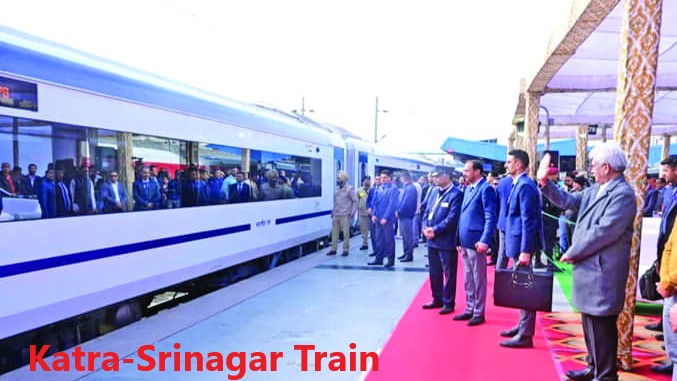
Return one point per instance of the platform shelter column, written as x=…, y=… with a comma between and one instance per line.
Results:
x=582, y=148
x=533, y=101
x=666, y=146
x=638, y=61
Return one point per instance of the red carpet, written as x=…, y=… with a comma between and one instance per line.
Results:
x=427, y=346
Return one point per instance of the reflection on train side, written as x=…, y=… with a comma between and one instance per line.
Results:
x=73, y=170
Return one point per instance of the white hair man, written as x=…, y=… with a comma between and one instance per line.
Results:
x=599, y=252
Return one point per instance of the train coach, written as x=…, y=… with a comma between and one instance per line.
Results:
x=70, y=269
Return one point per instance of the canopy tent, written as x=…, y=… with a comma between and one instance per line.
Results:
x=578, y=80
x=613, y=63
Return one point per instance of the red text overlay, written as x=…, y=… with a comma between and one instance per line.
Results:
x=235, y=363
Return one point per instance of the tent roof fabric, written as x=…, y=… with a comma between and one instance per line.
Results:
x=578, y=78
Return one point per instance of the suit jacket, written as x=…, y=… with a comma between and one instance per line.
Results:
x=600, y=246
x=478, y=215
x=406, y=205
x=445, y=209
x=503, y=190
x=523, y=219
x=62, y=199
x=143, y=196
x=194, y=193
x=385, y=203
x=47, y=198
x=28, y=189
x=650, y=202
x=108, y=196
x=235, y=197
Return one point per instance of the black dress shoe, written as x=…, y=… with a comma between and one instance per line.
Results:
x=586, y=374
x=375, y=263
x=407, y=259
x=402, y=256
x=518, y=342
x=432, y=305
x=332, y=252
x=364, y=247
x=372, y=254
x=344, y=254
x=660, y=337
x=510, y=333
x=663, y=368
x=446, y=310
x=657, y=326
x=476, y=320
x=463, y=316
x=389, y=264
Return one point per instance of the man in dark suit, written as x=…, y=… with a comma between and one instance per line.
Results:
x=114, y=195
x=146, y=192
x=83, y=192
x=440, y=227
x=503, y=190
x=476, y=229
x=523, y=237
x=600, y=253
x=63, y=200
x=406, y=211
x=383, y=216
x=238, y=192
x=371, y=198
x=31, y=182
x=194, y=191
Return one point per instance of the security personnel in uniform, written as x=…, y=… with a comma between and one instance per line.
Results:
x=440, y=226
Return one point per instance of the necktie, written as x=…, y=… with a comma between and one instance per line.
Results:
x=145, y=188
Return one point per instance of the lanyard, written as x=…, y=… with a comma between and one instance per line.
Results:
x=437, y=202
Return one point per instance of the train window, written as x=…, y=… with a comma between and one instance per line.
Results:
x=6, y=140
x=60, y=170
x=219, y=166
x=280, y=176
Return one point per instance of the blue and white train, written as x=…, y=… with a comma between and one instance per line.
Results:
x=62, y=108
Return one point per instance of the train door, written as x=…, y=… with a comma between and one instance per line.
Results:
x=363, y=165
x=351, y=169
x=339, y=161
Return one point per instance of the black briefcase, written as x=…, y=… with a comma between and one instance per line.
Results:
x=524, y=289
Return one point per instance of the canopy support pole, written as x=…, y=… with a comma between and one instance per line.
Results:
x=582, y=148
x=533, y=101
x=640, y=36
x=666, y=146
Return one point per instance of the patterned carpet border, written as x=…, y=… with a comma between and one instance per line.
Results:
x=564, y=334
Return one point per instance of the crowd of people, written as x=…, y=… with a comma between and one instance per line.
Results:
x=83, y=191
x=490, y=220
